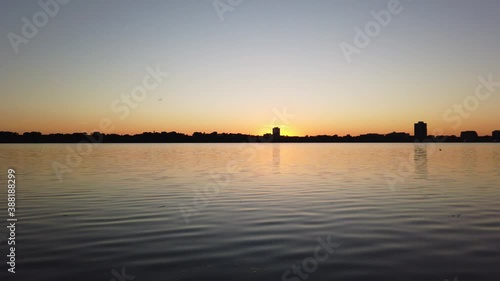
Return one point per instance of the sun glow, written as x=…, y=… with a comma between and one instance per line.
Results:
x=284, y=131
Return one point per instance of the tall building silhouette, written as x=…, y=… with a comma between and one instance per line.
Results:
x=276, y=133
x=496, y=135
x=420, y=129
x=468, y=136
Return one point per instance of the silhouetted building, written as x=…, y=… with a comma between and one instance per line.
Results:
x=420, y=129
x=276, y=132
x=468, y=136
x=496, y=135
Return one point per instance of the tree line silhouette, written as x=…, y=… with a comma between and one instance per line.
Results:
x=214, y=137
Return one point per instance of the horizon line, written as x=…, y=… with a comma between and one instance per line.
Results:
x=230, y=133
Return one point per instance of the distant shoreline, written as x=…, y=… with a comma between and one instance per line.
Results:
x=174, y=137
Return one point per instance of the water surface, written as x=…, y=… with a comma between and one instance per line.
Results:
x=253, y=211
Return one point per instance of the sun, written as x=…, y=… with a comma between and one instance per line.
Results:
x=287, y=131
x=284, y=131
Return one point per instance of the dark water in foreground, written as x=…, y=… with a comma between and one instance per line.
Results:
x=244, y=212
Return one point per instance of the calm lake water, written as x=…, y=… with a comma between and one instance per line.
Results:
x=255, y=212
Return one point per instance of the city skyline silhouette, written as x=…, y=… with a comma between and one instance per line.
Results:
x=419, y=135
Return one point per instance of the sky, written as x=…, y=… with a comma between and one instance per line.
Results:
x=244, y=66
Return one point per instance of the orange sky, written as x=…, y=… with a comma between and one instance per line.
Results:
x=181, y=68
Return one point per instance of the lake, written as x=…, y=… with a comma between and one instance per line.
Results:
x=271, y=211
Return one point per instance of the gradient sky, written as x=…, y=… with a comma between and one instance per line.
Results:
x=230, y=75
